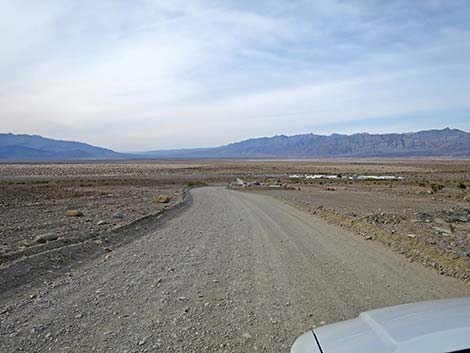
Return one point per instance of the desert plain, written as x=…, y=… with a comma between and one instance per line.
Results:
x=221, y=255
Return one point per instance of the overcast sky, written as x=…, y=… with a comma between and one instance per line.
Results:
x=146, y=74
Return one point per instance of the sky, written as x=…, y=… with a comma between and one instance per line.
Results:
x=139, y=75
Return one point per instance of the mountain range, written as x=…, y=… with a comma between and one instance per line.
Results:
x=429, y=143
x=445, y=142
x=34, y=147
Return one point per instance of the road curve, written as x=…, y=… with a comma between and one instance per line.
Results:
x=236, y=272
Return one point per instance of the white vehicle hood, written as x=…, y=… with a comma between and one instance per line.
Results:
x=433, y=326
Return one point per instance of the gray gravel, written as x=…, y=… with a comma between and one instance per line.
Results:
x=236, y=272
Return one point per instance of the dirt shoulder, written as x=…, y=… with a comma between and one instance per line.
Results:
x=34, y=216
x=52, y=225
x=425, y=229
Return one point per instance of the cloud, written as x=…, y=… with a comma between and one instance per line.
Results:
x=156, y=74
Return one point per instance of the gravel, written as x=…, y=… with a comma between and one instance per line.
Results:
x=56, y=214
x=439, y=228
x=235, y=272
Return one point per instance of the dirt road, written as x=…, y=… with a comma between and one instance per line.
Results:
x=236, y=272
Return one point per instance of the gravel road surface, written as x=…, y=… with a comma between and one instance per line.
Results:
x=236, y=272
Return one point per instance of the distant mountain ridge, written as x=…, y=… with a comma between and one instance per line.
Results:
x=33, y=147
x=429, y=143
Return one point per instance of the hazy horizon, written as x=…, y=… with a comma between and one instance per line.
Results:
x=154, y=75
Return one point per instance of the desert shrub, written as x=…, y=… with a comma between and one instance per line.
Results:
x=196, y=183
x=40, y=181
x=462, y=186
x=437, y=187
x=422, y=184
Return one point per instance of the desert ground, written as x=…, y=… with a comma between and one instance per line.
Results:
x=221, y=256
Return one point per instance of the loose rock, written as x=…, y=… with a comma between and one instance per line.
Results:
x=163, y=198
x=74, y=213
x=44, y=238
